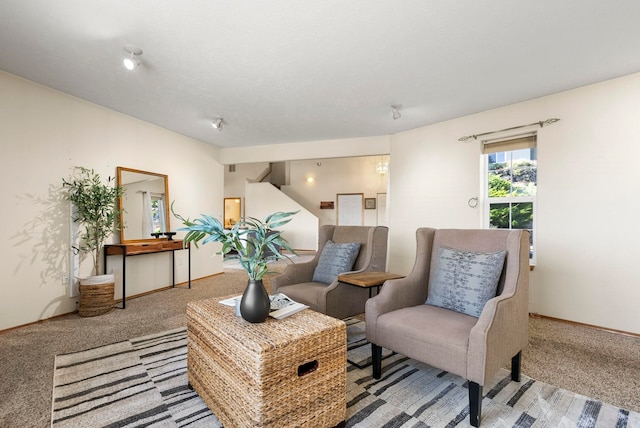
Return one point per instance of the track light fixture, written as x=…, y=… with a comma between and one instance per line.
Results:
x=395, y=111
x=217, y=123
x=131, y=62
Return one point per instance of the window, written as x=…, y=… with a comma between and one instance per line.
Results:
x=157, y=212
x=511, y=185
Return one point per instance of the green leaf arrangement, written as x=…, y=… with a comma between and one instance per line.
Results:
x=96, y=209
x=256, y=242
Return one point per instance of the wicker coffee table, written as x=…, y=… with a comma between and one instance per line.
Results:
x=279, y=373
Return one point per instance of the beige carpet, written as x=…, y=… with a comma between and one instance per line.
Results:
x=601, y=365
x=26, y=354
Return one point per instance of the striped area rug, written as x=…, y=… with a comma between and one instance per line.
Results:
x=358, y=348
x=143, y=382
x=138, y=383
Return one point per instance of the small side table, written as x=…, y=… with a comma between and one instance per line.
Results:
x=368, y=279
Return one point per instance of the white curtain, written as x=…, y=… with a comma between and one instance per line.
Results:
x=163, y=222
x=147, y=215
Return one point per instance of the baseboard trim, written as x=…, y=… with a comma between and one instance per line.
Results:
x=146, y=293
x=7, y=330
x=579, y=324
x=183, y=285
x=179, y=285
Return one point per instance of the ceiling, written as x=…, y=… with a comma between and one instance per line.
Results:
x=282, y=71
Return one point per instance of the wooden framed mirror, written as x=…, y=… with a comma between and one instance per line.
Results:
x=232, y=211
x=145, y=205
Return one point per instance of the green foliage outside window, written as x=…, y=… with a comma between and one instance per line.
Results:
x=498, y=186
x=520, y=215
x=506, y=181
x=517, y=180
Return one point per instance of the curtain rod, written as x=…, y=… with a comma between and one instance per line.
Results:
x=541, y=124
x=142, y=192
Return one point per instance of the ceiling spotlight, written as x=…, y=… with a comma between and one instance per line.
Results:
x=395, y=111
x=217, y=123
x=131, y=62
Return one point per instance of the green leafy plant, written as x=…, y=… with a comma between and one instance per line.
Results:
x=96, y=209
x=256, y=242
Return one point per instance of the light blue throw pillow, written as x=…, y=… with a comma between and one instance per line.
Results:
x=465, y=280
x=336, y=258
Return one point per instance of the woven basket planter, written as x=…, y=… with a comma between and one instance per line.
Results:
x=96, y=295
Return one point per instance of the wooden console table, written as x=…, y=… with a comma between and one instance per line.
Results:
x=368, y=279
x=140, y=248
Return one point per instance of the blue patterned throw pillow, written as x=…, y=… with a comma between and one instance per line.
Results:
x=465, y=280
x=336, y=258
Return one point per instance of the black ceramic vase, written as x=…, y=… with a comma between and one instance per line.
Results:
x=255, y=304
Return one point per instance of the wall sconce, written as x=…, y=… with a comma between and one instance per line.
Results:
x=310, y=179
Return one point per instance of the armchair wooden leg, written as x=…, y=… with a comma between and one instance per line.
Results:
x=475, y=403
x=515, y=367
x=376, y=360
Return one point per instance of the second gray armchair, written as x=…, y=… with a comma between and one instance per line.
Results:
x=463, y=308
x=335, y=298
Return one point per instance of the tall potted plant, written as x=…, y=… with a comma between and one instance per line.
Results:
x=98, y=216
x=255, y=242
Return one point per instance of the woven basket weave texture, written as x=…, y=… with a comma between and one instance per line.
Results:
x=279, y=373
x=96, y=299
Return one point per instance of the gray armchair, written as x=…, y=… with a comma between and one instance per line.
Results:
x=336, y=299
x=468, y=346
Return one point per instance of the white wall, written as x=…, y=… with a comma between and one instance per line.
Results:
x=307, y=150
x=331, y=176
x=264, y=199
x=234, y=182
x=587, y=197
x=587, y=182
x=45, y=134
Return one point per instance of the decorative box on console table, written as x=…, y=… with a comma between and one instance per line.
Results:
x=279, y=373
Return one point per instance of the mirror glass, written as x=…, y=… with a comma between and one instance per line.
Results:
x=144, y=205
x=232, y=211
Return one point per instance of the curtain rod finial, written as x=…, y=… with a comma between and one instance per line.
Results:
x=468, y=137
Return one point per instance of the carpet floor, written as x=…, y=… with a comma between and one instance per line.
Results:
x=143, y=382
x=594, y=363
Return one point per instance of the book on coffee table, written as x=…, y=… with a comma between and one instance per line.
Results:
x=282, y=305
